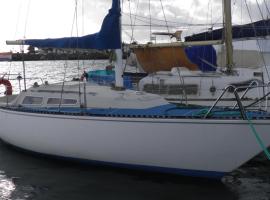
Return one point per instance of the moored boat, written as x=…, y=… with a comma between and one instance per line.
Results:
x=131, y=129
x=127, y=128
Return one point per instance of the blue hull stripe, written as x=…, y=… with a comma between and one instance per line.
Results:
x=163, y=111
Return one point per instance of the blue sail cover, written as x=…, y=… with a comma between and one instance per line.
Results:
x=204, y=57
x=107, y=38
x=256, y=29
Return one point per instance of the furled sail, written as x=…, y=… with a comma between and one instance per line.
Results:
x=252, y=30
x=107, y=38
x=204, y=57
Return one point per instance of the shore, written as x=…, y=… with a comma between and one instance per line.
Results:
x=62, y=56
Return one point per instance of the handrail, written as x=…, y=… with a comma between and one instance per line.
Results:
x=238, y=100
x=267, y=94
x=256, y=82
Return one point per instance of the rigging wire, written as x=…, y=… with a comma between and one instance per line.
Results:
x=83, y=16
x=77, y=52
x=150, y=27
x=264, y=62
x=132, y=31
x=261, y=13
x=83, y=24
x=207, y=15
x=26, y=19
x=63, y=85
x=131, y=21
x=74, y=23
x=24, y=36
x=15, y=36
x=135, y=18
x=242, y=43
x=77, y=35
x=18, y=19
x=181, y=78
x=189, y=14
x=267, y=9
x=132, y=24
x=158, y=22
x=265, y=25
x=166, y=22
x=210, y=10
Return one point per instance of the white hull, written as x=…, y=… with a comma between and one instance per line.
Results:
x=203, y=147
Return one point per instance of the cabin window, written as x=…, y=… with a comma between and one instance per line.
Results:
x=190, y=89
x=52, y=101
x=32, y=100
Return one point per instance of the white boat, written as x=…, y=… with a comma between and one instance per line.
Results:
x=201, y=88
x=194, y=71
x=127, y=128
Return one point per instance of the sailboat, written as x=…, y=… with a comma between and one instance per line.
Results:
x=129, y=129
x=193, y=70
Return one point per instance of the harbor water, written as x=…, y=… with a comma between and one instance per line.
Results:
x=26, y=176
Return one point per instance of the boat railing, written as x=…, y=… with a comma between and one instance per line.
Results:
x=263, y=98
x=252, y=83
x=18, y=77
x=238, y=100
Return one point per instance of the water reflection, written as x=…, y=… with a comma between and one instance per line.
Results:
x=40, y=71
x=6, y=186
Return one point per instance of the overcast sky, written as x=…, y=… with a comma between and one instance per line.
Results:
x=54, y=18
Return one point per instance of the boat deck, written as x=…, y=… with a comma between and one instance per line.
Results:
x=169, y=111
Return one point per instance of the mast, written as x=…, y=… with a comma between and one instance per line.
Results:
x=119, y=82
x=227, y=18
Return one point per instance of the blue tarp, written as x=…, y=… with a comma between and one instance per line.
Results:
x=205, y=57
x=107, y=77
x=107, y=38
x=256, y=29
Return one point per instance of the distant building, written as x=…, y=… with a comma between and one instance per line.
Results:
x=6, y=56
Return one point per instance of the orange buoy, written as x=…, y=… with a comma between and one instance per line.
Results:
x=8, y=85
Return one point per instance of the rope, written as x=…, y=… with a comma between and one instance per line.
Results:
x=251, y=126
x=200, y=113
x=258, y=138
